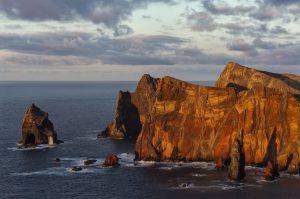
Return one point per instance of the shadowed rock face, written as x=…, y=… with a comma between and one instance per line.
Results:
x=132, y=109
x=37, y=128
x=181, y=121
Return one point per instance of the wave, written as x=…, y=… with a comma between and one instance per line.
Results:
x=37, y=147
x=127, y=159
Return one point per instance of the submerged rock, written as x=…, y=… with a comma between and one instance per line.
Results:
x=76, y=168
x=111, y=160
x=89, y=162
x=237, y=160
x=37, y=128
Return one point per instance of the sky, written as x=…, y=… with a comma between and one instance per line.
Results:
x=103, y=40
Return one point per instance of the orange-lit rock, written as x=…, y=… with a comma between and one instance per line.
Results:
x=111, y=160
x=260, y=112
x=178, y=120
x=236, y=169
x=184, y=121
x=241, y=77
x=37, y=128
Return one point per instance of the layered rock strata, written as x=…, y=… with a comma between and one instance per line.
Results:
x=177, y=120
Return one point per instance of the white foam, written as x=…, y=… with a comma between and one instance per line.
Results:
x=37, y=147
x=88, y=137
x=127, y=159
x=198, y=174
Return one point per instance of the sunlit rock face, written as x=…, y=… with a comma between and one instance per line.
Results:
x=184, y=121
x=268, y=103
x=261, y=112
x=178, y=120
x=37, y=128
x=242, y=78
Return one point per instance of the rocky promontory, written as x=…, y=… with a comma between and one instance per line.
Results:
x=37, y=128
x=177, y=120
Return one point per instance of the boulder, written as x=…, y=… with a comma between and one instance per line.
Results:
x=37, y=128
x=111, y=160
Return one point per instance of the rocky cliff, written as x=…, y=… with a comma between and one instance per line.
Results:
x=242, y=78
x=37, y=128
x=177, y=120
x=132, y=109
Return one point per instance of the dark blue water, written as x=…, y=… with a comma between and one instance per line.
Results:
x=80, y=110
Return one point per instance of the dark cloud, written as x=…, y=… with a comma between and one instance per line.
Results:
x=267, y=13
x=258, y=43
x=279, y=30
x=122, y=30
x=200, y=21
x=281, y=2
x=222, y=8
x=242, y=46
x=134, y=50
x=108, y=12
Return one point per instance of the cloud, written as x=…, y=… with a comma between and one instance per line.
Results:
x=258, y=43
x=108, y=12
x=267, y=13
x=130, y=50
x=223, y=8
x=122, y=30
x=242, y=46
x=200, y=21
x=281, y=2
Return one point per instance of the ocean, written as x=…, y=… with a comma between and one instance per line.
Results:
x=79, y=111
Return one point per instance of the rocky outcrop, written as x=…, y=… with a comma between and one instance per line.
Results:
x=242, y=78
x=132, y=109
x=37, y=128
x=111, y=160
x=237, y=159
x=178, y=120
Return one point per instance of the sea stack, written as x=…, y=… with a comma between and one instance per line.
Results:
x=237, y=160
x=37, y=128
x=272, y=170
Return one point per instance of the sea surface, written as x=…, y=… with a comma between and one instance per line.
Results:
x=79, y=111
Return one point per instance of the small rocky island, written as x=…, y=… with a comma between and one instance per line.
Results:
x=179, y=121
x=37, y=128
